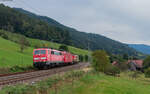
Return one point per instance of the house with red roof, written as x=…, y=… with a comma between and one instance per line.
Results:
x=139, y=63
x=133, y=64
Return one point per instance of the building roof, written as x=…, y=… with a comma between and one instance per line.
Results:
x=138, y=62
x=115, y=63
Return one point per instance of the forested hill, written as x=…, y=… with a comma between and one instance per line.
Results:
x=17, y=22
x=141, y=48
x=85, y=40
x=44, y=28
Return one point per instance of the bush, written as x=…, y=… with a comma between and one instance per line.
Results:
x=146, y=63
x=24, y=43
x=64, y=47
x=19, y=89
x=42, y=87
x=123, y=66
x=86, y=58
x=112, y=70
x=75, y=74
x=147, y=73
x=4, y=35
x=100, y=60
x=135, y=74
x=81, y=58
x=21, y=69
x=37, y=45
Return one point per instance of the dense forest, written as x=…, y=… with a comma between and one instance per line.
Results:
x=14, y=21
x=41, y=27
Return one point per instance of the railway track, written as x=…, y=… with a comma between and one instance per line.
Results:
x=21, y=77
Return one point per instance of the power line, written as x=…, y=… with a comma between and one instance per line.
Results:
x=23, y=2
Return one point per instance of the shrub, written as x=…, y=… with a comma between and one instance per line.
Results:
x=100, y=60
x=19, y=89
x=64, y=47
x=24, y=43
x=86, y=58
x=112, y=70
x=123, y=66
x=75, y=74
x=146, y=63
x=37, y=45
x=16, y=69
x=42, y=87
x=81, y=58
x=135, y=74
x=21, y=69
x=147, y=73
x=4, y=35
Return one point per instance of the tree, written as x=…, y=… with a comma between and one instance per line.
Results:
x=81, y=58
x=122, y=66
x=146, y=63
x=86, y=57
x=24, y=43
x=64, y=48
x=100, y=60
x=147, y=73
x=112, y=70
x=37, y=45
x=125, y=56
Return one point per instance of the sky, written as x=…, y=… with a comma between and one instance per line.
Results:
x=127, y=21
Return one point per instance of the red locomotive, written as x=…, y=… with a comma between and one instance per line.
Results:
x=47, y=58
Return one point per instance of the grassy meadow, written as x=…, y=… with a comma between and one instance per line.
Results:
x=10, y=54
x=103, y=84
x=84, y=83
x=72, y=49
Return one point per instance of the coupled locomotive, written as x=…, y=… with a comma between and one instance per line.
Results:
x=47, y=58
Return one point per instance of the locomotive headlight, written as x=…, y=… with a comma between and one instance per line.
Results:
x=36, y=58
x=43, y=57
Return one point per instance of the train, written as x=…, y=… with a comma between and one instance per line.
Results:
x=45, y=58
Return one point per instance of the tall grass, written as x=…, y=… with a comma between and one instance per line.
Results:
x=42, y=87
x=78, y=82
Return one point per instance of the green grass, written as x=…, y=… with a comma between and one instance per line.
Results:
x=10, y=54
x=103, y=84
x=72, y=49
x=86, y=83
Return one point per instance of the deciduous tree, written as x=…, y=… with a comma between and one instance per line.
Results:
x=23, y=43
x=100, y=60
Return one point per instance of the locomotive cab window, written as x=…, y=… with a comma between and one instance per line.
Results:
x=39, y=52
x=52, y=52
x=43, y=51
x=56, y=53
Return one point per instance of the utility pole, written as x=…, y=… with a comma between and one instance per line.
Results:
x=89, y=52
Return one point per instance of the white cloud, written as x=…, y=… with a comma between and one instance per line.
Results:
x=123, y=20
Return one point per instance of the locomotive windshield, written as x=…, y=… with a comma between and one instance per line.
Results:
x=39, y=52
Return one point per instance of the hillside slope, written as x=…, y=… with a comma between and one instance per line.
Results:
x=10, y=54
x=141, y=48
x=85, y=40
x=16, y=22
x=44, y=28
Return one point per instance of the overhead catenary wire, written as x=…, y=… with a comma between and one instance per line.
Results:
x=29, y=6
